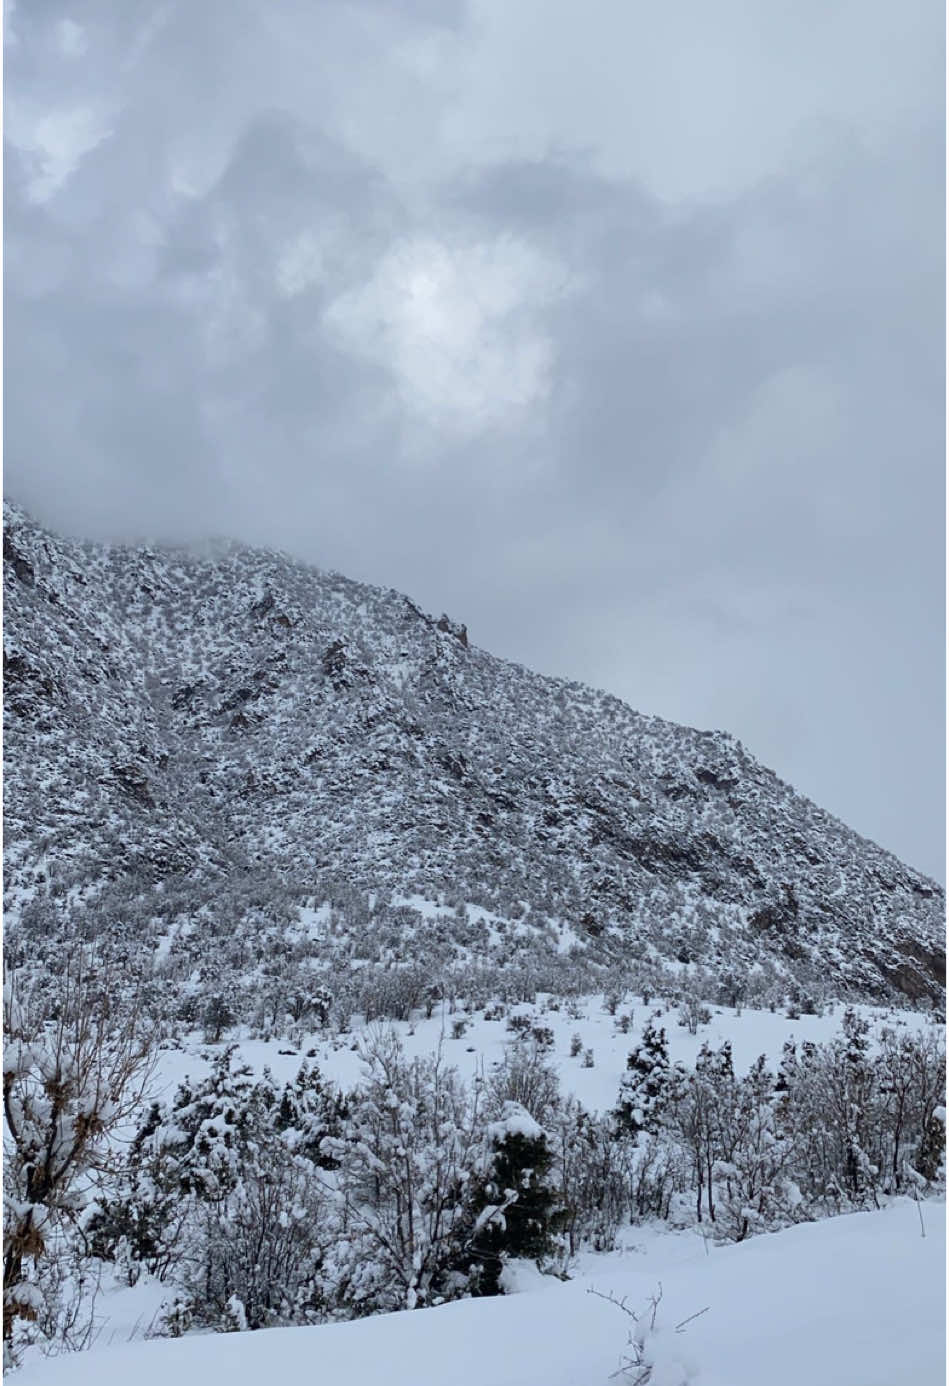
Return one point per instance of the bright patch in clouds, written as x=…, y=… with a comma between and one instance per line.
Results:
x=457, y=326
x=56, y=143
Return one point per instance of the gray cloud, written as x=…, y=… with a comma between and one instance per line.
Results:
x=274, y=272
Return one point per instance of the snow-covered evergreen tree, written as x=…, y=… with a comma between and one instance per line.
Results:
x=518, y=1209
x=310, y=1112
x=644, y=1087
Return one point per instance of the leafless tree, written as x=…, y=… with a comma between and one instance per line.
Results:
x=74, y=1074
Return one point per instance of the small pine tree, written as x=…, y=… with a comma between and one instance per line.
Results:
x=308, y=1113
x=138, y=1224
x=518, y=1212
x=716, y=1063
x=207, y=1126
x=645, y=1083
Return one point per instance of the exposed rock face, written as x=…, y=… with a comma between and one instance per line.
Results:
x=189, y=722
x=453, y=628
x=21, y=568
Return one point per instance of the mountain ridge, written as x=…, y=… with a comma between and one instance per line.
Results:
x=207, y=727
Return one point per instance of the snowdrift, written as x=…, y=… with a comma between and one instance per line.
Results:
x=856, y=1301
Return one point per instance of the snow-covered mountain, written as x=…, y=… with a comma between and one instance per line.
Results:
x=229, y=760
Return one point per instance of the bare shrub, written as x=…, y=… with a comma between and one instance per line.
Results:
x=525, y=1076
x=73, y=1074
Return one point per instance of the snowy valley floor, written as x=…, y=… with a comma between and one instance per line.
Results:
x=481, y=1044
x=855, y=1301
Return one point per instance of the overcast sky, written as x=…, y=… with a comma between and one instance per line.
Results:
x=613, y=329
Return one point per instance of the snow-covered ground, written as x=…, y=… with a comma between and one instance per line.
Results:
x=483, y=1043
x=856, y=1301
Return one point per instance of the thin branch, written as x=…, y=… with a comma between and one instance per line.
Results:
x=611, y=1299
x=655, y=1302
x=680, y=1327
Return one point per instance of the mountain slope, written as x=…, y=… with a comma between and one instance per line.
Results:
x=200, y=746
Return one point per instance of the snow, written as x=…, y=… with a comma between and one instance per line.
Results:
x=855, y=1301
x=484, y=1042
x=314, y=922
x=515, y=1121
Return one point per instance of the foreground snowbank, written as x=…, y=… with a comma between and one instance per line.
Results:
x=856, y=1301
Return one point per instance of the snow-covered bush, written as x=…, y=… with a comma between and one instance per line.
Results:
x=72, y=1073
x=693, y=1118
x=753, y=1187
x=593, y=1165
x=414, y=1141
x=224, y=1193
x=693, y=1012
x=830, y=1108
x=262, y=1247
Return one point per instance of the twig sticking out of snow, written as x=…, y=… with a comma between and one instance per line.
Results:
x=680, y=1327
x=637, y=1367
x=919, y=1209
